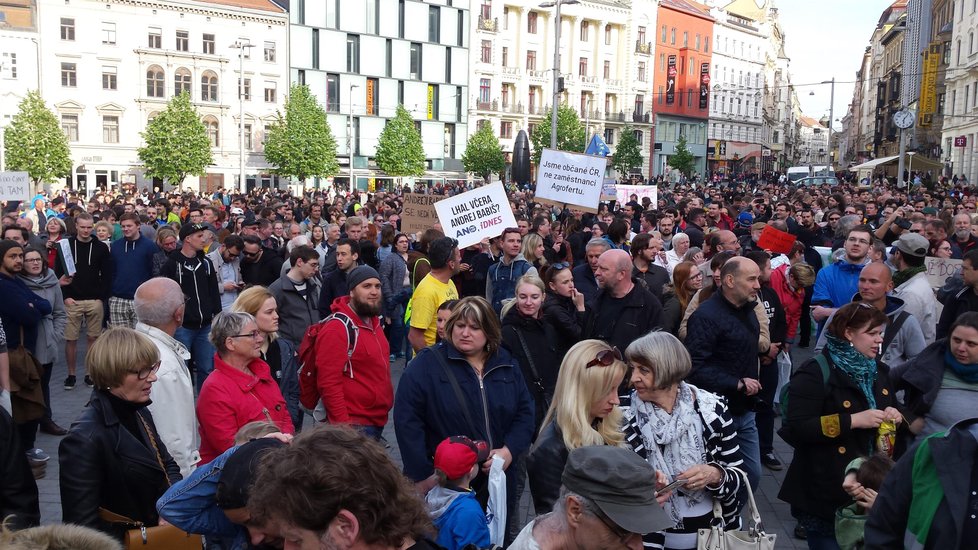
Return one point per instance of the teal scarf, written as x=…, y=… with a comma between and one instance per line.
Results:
x=861, y=369
x=968, y=373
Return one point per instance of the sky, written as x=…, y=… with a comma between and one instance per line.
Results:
x=826, y=39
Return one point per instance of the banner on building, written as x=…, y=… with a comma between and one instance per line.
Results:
x=704, y=85
x=479, y=214
x=431, y=102
x=624, y=193
x=671, y=80
x=928, y=84
x=961, y=141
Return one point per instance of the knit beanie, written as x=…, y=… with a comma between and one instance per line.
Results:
x=358, y=275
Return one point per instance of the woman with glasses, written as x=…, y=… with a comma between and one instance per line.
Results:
x=112, y=462
x=941, y=249
x=687, y=280
x=684, y=432
x=836, y=404
x=241, y=388
x=584, y=412
x=166, y=239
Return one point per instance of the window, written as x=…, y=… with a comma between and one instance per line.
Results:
x=505, y=19
x=315, y=50
x=505, y=56
x=246, y=50
x=641, y=71
x=9, y=67
x=270, y=89
x=353, y=53
x=697, y=41
x=183, y=41
x=582, y=66
x=213, y=131
x=415, y=68
x=607, y=35
x=207, y=44
x=486, y=56
x=68, y=29
x=672, y=36
x=333, y=93
x=506, y=129
x=182, y=81
x=154, y=82
x=110, y=129
x=609, y=136
x=108, y=33
x=531, y=61
x=706, y=44
x=662, y=62
x=531, y=22
x=155, y=38
x=641, y=35
x=484, y=87
x=434, y=24
x=685, y=39
x=69, y=125
x=244, y=93
x=269, y=52
x=585, y=27
x=69, y=76
x=661, y=94
x=663, y=40
x=247, y=137
x=504, y=95
x=607, y=69
x=109, y=81
x=532, y=100
x=639, y=136
x=208, y=87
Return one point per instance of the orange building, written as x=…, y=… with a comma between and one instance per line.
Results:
x=681, y=80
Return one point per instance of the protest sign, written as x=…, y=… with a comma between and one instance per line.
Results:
x=418, y=212
x=939, y=269
x=775, y=240
x=475, y=215
x=15, y=186
x=642, y=191
x=570, y=179
x=608, y=192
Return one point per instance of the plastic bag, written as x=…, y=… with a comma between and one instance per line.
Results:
x=496, y=507
x=5, y=402
x=784, y=371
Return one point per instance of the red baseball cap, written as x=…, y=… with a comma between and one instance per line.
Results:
x=457, y=454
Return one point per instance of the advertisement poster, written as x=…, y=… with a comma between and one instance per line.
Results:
x=671, y=80
x=704, y=85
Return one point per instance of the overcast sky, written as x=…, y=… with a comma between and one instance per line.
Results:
x=826, y=39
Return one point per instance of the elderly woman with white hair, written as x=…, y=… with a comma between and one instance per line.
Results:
x=674, y=257
x=686, y=433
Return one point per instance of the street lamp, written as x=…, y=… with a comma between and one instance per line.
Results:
x=241, y=47
x=553, y=112
x=349, y=133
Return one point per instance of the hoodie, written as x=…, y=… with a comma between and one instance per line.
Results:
x=198, y=281
x=93, y=270
x=52, y=327
x=459, y=518
x=502, y=277
x=20, y=312
x=132, y=263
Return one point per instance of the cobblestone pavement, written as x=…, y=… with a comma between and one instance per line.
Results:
x=67, y=405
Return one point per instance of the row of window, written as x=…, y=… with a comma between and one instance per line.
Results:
x=734, y=133
x=670, y=32
x=154, y=39
x=110, y=129
x=372, y=19
x=743, y=106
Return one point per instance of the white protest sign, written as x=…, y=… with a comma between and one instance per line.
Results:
x=475, y=215
x=15, y=186
x=570, y=178
x=68, y=257
x=939, y=269
x=624, y=192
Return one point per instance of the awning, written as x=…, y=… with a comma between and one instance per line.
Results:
x=874, y=163
x=918, y=162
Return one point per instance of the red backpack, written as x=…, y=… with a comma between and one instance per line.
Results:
x=308, y=390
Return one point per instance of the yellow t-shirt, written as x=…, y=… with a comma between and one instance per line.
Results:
x=430, y=294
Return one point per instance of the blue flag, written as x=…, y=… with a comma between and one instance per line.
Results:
x=597, y=146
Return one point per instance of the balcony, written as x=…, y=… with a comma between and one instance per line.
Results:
x=642, y=118
x=591, y=81
x=516, y=109
x=485, y=105
x=614, y=83
x=488, y=24
x=533, y=109
x=513, y=71
x=615, y=117
x=644, y=48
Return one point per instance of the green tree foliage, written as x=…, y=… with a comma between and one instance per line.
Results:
x=483, y=155
x=399, y=150
x=176, y=143
x=301, y=144
x=682, y=159
x=34, y=142
x=570, y=133
x=627, y=154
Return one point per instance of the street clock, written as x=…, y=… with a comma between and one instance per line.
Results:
x=903, y=119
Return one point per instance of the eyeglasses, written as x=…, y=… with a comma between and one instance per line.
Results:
x=858, y=241
x=255, y=334
x=32, y=260
x=859, y=305
x=605, y=358
x=560, y=265
x=143, y=374
x=697, y=275
x=616, y=530
x=833, y=219
x=251, y=254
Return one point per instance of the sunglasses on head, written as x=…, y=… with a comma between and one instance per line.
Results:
x=605, y=358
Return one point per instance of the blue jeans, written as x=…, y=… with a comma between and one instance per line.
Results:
x=201, y=351
x=750, y=448
x=373, y=432
x=820, y=532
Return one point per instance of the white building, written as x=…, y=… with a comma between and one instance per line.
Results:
x=961, y=107
x=812, y=145
x=19, y=49
x=362, y=58
x=606, y=62
x=109, y=66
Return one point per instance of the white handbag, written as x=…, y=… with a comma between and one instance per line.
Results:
x=754, y=538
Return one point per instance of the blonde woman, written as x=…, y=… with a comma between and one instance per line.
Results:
x=280, y=355
x=584, y=412
x=533, y=250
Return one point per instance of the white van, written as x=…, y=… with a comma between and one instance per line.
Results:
x=796, y=173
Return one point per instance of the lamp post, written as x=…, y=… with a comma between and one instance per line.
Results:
x=553, y=112
x=349, y=134
x=241, y=47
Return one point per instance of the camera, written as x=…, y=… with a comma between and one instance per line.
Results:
x=903, y=223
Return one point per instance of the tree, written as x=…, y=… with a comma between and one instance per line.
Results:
x=627, y=154
x=34, y=142
x=483, y=155
x=177, y=145
x=399, y=150
x=301, y=144
x=682, y=159
x=570, y=133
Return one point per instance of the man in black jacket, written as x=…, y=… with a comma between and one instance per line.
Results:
x=260, y=265
x=645, y=248
x=722, y=338
x=334, y=285
x=623, y=309
x=18, y=491
x=584, y=280
x=965, y=299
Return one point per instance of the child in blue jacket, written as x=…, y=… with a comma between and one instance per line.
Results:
x=456, y=513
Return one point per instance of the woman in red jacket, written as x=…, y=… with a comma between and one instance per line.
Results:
x=241, y=388
x=790, y=282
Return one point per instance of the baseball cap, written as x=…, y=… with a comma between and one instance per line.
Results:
x=457, y=454
x=620, y=483
x=239, y=473
x=189, y=229
x=236, y=211
x=912, y=244
x=745, y=219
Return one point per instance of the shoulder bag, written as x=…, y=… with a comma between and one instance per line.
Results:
x=754, y=538
x=26, y=393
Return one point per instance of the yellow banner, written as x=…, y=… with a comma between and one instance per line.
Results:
x=928, y=84
x=431, y=102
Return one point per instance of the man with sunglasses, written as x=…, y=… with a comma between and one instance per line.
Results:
x=227, y=262
x=259, y=265
x=502, y=276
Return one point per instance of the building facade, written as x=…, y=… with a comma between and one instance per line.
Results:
x=20, y=48
x=960, y=128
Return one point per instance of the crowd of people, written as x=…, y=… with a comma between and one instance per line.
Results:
x=629, y=366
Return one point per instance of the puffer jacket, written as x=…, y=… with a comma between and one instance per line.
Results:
x=50, y=333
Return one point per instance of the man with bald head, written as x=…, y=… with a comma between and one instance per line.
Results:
x=622, y=311
x=722, y=338
x=159, y=306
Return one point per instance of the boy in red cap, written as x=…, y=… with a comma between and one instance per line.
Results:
x=456, y=513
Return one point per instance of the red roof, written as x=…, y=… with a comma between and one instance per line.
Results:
x=265, y=5
x=688, y=6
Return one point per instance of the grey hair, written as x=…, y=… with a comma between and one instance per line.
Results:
x=299, y=240
x=664, y=355
x=846, y=223
x=596, y=242
x=157, y=309
x=680, y=237
x=227, y=324
x=693, y=250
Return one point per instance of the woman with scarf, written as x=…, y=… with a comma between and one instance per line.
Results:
x=685, y=433
x=832, y=421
